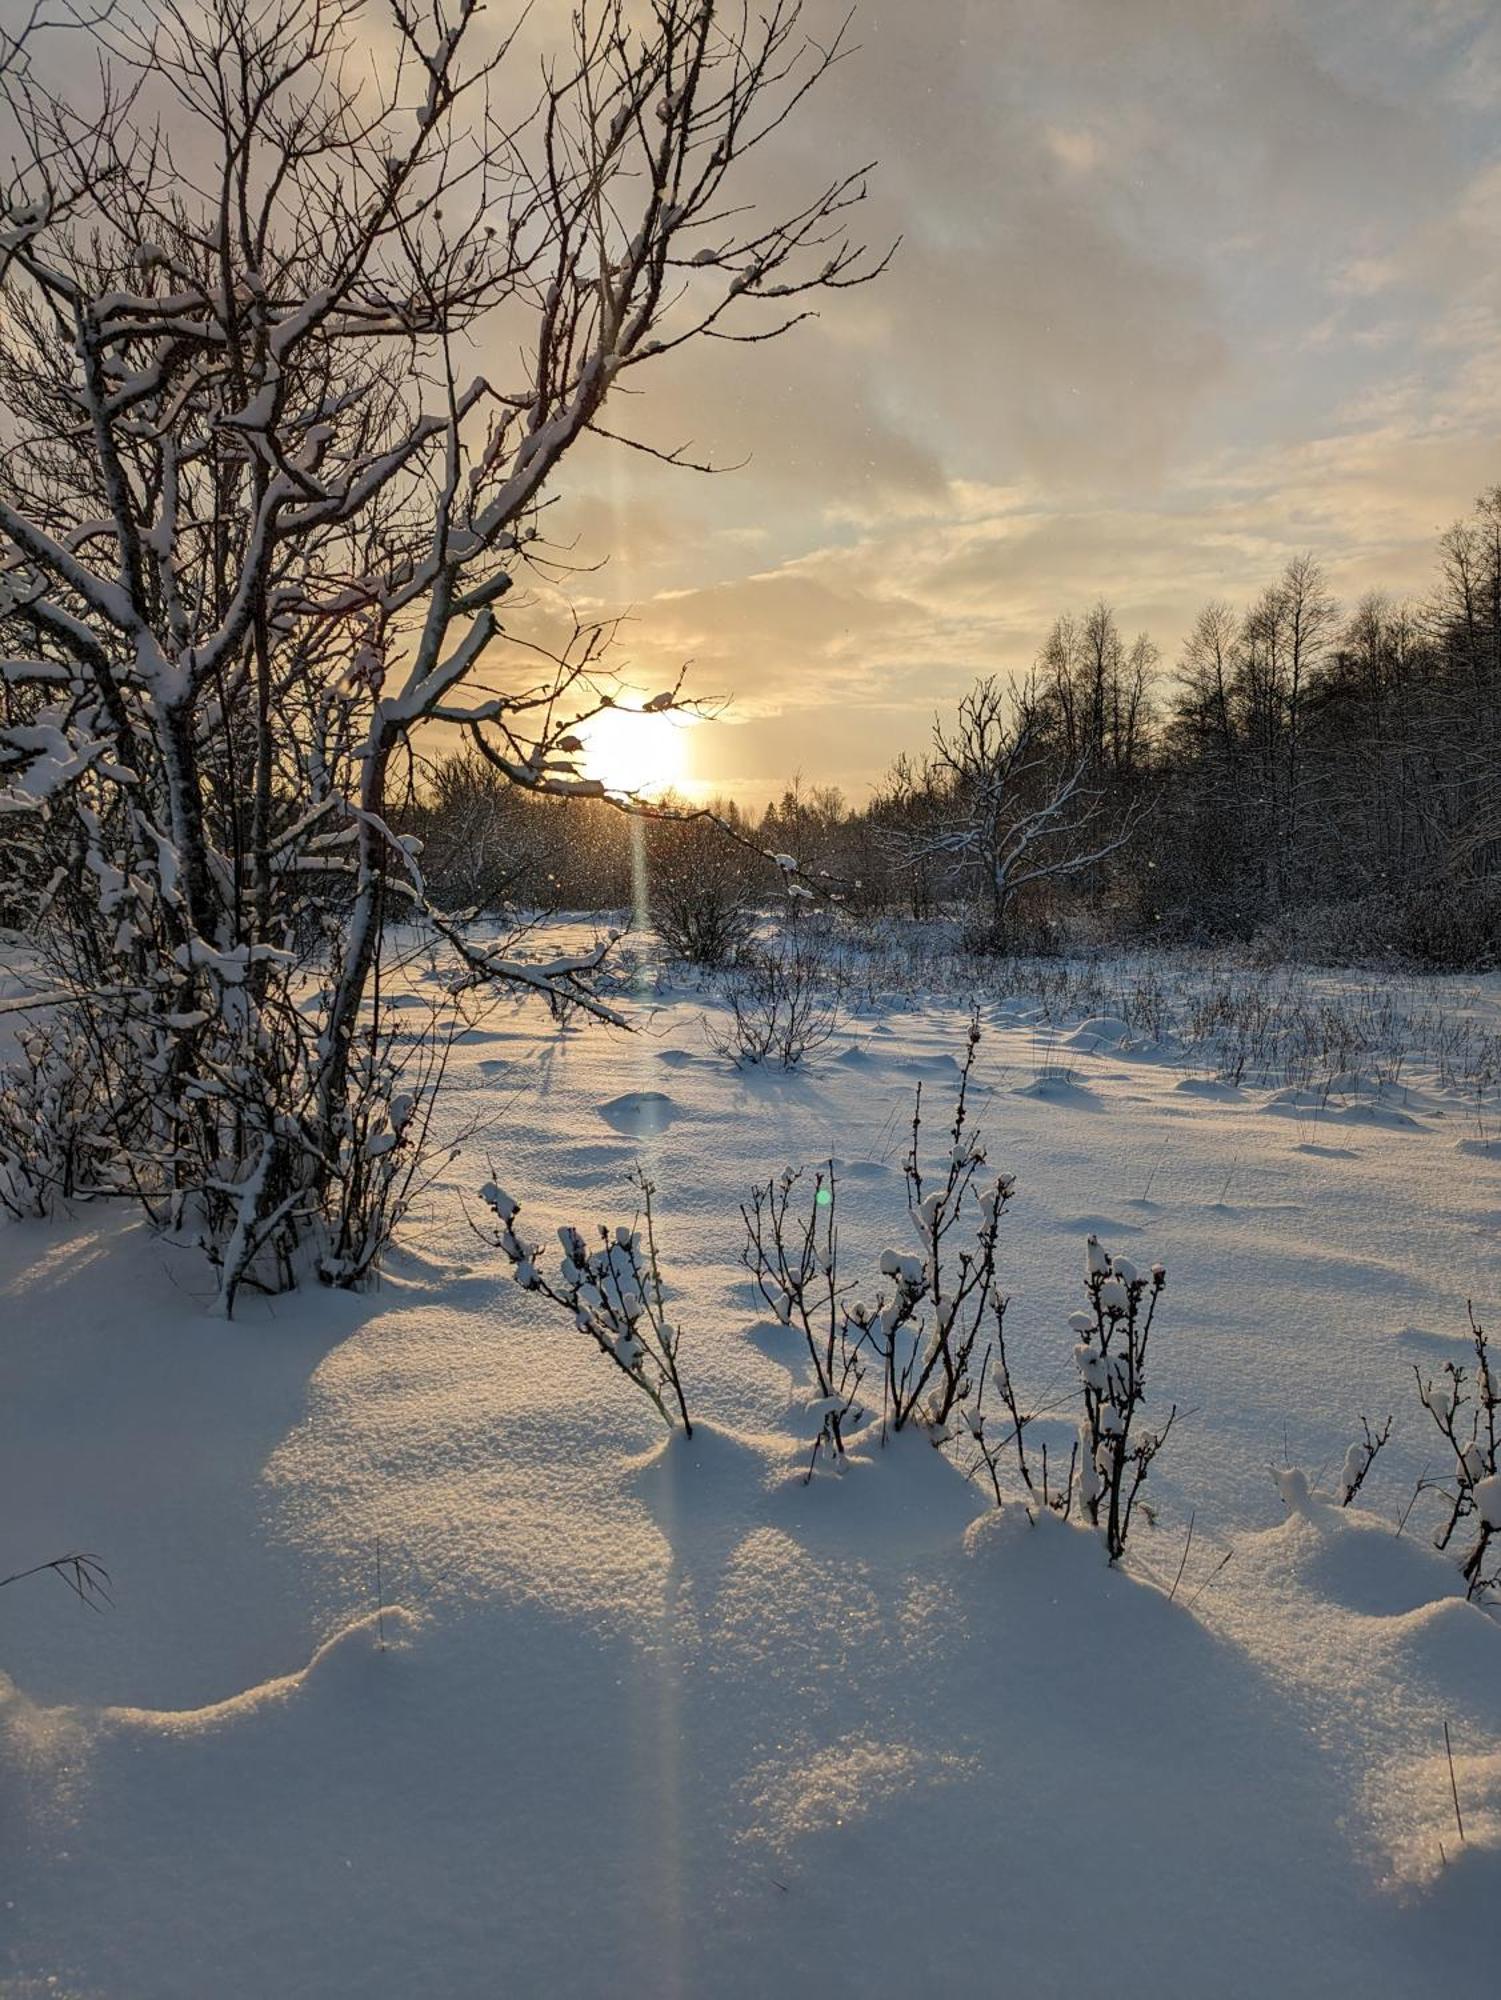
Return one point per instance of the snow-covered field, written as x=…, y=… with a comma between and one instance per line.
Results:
x=642, y=1716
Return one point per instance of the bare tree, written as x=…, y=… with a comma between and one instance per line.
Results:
x=18, y=38
x=1094, y=691
x=264, y=497
x=1012, y=816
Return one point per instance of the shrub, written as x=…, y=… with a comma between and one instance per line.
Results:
x=780, y=1006
x=612, y=1293
x=1359, y=1459
x=794, y=1260
x=923, y=1336
x=50, y=1120
x=1111, y=1355
x=1111, y=1453
x=385, y=1154
x=1465, y=1406
x=700, y=891
x=926, y=1335
x=1454, y=927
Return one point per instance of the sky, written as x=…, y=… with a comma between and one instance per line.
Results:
x=1184, y=288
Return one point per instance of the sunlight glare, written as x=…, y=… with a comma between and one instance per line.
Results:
x=629, y=750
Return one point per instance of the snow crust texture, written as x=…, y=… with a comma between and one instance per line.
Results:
x=436, y=1665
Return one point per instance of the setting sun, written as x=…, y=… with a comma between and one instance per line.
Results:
x=632, y=750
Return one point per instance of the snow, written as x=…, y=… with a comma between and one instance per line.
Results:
x=634, y=1713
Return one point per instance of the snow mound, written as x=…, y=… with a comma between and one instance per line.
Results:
x=1321, y=1103
x=1102, y=1031
x=1212, y=1087
x=1460, y=1875
x=843, y=1783
x=1353, y=1559
x=340, y=1669
x=1059, y=1087
x=943, y=1065
x=890, y=1505
x=639, y=1114
x=679, y=1058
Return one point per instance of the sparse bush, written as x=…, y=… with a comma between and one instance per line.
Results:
x=1465, y=1406
x=700, y=891
x=794, y=1260
x=1359, y=1459
x=1111, y=1356
x=926, y=1357
x=923, y=1337
x=780, y=1006
x=1112, y=1453
x=937, y=1340
x=613, y=1293
x=385, y=1154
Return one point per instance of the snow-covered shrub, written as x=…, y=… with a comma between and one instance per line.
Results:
x=935, y=1341
x=922, y=1338
x=1111, y=1453
x=794, y=1259
x=1110, y=1355
x=385, y=1154
x=1298, y=1491
x=50, y=1118
x=1359, y=1459
x=927, y=1333
x=612, y=1292
x=1465, y=1406
x=705, y=924
x=780, y=1008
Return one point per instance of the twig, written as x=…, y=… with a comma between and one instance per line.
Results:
x=1188, y=1542
x=83, y=1573
x=1221, y=1565
x=1453, y=1786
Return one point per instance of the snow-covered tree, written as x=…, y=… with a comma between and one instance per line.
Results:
x=1003, y=814
x=301, y=314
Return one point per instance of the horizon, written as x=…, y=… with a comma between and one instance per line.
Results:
x=1234, y=280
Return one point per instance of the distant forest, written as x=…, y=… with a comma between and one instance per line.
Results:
x=1321, y=780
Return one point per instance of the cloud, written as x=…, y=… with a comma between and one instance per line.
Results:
x=1184, y=287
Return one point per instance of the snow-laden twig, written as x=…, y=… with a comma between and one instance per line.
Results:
x=1465, y=1406
x=613, y=1292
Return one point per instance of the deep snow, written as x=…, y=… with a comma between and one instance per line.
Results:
x=652, y=1716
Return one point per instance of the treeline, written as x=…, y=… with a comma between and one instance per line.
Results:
x=1324, y=779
